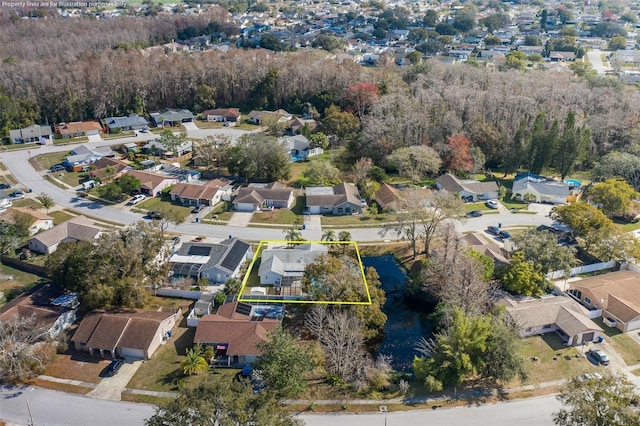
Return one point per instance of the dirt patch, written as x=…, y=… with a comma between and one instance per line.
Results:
x=77, y=366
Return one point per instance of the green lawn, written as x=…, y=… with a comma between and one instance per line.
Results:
x=45, y=161
x=276, y=216
x=27, y=202
x=69, y=141
x=3, y=167
x=547, y=359
x=19, y=146
x=361, y=219
x=624, y=345
x=628, y=227
x=21, y=281
x=156, y=203
x=60, y=216
x=515, y=204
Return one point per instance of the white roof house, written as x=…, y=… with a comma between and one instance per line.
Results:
x=283, y=266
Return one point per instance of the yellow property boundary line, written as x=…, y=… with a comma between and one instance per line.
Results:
x=317, y=302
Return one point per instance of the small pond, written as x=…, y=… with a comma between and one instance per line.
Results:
x=404, y=326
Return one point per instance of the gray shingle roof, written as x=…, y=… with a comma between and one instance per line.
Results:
x=120, y=122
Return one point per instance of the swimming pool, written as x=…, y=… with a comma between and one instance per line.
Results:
x=573, y=182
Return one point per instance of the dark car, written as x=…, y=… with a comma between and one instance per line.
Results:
x=175, y=240
x=57, y=168
x=15, y=195
x=115, y=366
x=504, y=235
x=198, y=208
x=493, y=230
x=474, y=213
x=599, y=356
x=4, y=186
x=154, y=215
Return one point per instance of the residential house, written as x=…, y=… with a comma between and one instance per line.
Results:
x=5, y=200
x=47, y=305
x=85, y=155
x=479, y=244
x=76, y=229
x=35, y=133
x=132, y=122
x=222, y=115
x=342, y=199
x=152, y=184
x=283, y=266
x=108, y=169
x=299, y=148
x=470, y=190
x=557, y=56
x=135, y=334
x=78, y=129
x=539, y=189
x=171, y=117
x=235, y=332
x=296, y=125
x=40, y=221
x=387, y=196
x=259, y=196
x=549, y=314
x=266, y=117
x=614, y=296
x=208, y=194
x=215, y=262
x=156, y=147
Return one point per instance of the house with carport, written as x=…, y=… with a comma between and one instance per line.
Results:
x=341, y=199
x=264, y=196
x=235, y=332
x=470, y=190
x=134, y=334
x=209, y=193
x=152, y=184
x=552, y=314
x=614, y=296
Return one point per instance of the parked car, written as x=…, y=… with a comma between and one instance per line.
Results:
x=363, y=202
x=493, y=230
x=474, y=213
x=15, y=195
x=4, y=186
x=144, y=130
x=492, y=204
x=154, y=215
x=599, y=356
x=115, y=366
x=57, y=168
x=137, y=199
x=504, y=235
x=176, y=240
x=198, y=208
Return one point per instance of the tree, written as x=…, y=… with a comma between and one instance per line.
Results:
x=284, y=363
x=503, y=361
x=541, y=247
x=361, y=169
x=219, y=401
x=328, y=42
x=360, y=97
x=515, y=60
x=523, y=277
x=213, y=152
x=464, y=19
x=319, y=140
x=458, y=158
x=328, y=235
x=322, y=173
x=259, y=156
x=292, y=234
x=194, y=362
x=615, y=196
x=572, y=145
x=414, y=57
x=617, y=43
x=22, y=223
x=407, y=218
x=128, y=183
x=26, y=348
x=598, y=400
x=622, y=164
x=169, y=215
x=582, y=218
x=344, y=236
x=582, y=69
x=414, y=162
x=343, y=125
x=111, y=191
x=46, y=201
x=612, y=243
x=10, y=239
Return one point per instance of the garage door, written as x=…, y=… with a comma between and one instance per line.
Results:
x=131, y=353
x=633, y=325
x=587, y=337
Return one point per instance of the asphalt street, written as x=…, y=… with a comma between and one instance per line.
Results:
x=53, y=408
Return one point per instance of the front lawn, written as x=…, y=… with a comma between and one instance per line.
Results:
x=360, y=219
x=547, y=359
x=27, y=202
x=60, y=216
x=624, y=345
x=21, y=282
x=163, y=202
x=76, y=365
x=275, y=216
x=515, y=205
x=45, y=161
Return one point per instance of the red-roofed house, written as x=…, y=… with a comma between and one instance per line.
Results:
x=209, y=194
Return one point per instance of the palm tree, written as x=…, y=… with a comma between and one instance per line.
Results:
x=328, y=235
x=194, y=362
x=292, y=234
x=344, y=236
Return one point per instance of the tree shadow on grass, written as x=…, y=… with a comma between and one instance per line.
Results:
x=172, y=378
x=185, y=341
x=554, y=341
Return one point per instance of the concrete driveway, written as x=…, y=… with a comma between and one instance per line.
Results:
x=313, y=222
x=112, y=387
x=539, y=208
x=240, y=219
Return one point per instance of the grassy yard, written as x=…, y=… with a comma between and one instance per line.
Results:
x=361, y=219
x=76, y=365
x=3, y=167
x=157, y=203
x=45, y=161
x=243, y=124
x=624, y=345
x=69, y=141
x=60, y=216
x=27, y=202
x=515, y=204
x=21, y=281
x=275, y=216
x=547, y=359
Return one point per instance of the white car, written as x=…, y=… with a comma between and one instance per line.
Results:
x=137, y=199
x=492, y=204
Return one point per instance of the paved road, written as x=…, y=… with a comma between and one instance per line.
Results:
x=595, y=60
x=52, y=408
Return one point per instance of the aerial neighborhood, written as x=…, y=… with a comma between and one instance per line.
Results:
x=252, y=210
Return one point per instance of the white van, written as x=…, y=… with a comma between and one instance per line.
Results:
x=89, y=184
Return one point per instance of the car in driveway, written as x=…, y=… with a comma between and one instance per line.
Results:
x=494, y=230
x=136, y=199
x=504, y=235
x=4, y=186
x=115, y=366
x=474, y=213
x=492, y=204
x=57, y=168
x=599, y=356
x=16, y=195
x=198, y=208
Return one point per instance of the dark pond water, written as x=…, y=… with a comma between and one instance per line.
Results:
x=404, y=326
